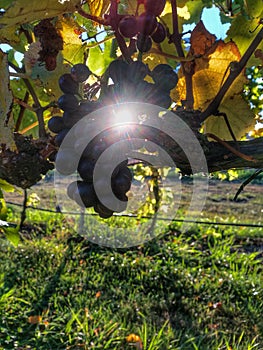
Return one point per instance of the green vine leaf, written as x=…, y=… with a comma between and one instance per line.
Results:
x=99, y=59
x=242, y=32
x=5, y=186
x=49, y=79
x=6, y=100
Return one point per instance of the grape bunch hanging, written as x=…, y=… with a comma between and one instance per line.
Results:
x=146, y=26
x=126, y=83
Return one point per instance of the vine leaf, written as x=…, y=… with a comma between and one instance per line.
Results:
x=99, y=60
x=188, y=12
x=201, y=40
x=73, y=48
x=6, y=99
x=98, y=7
x=24, y=11
x=49, y=80
x=209, y=73
x=153, y=58
x=254, y=8
x=242, y=32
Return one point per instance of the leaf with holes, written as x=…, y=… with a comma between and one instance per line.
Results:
x=210, y=71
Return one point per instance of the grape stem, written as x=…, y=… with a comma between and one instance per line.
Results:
x=187, y=67
x=233, y=74
x=111, y=20
x=39, y=110
x=23, y=103
x=176, y=58
x=114, y=21
x=21, y=112
x=96, y=19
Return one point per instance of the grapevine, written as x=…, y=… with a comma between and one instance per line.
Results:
x=140, y=36
x=129, y=84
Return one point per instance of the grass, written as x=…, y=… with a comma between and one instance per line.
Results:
x=201, y=290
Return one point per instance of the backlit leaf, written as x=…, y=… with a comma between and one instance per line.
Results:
x=195, y=9
x=201, y=40
x=24, y=11
x=254, y=8
x=242, y=32
x=209, y=73
x=6, y=98
x=73, y=47
x=99, y=58
x=98, y=7
x=49, y=80
x=12, y=234
x=5, y=186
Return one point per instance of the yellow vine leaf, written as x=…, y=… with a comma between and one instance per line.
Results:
x=6, y=99
x=24, y=11
x=152, y=59
x=210, y=70
x=73, y=47
x=98, y=7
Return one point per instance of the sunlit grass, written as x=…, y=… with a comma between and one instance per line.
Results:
x=198, y=290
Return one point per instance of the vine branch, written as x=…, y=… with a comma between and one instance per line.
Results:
x=22, y=112
x=213, y=106
x=39, y=110
x=187, y=67
x=114, y=21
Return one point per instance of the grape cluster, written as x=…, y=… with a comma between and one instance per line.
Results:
x=51, y=43
x=145, y=26
x=127, y=83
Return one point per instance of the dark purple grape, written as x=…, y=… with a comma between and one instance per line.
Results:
x=68, y=85
x=160, y=33
x=119, y=167
x=86, y=168
x=60, y=136
x=155, y=7
x=162, y=67
x=165, y=77
x=137, y=71
x=52, y=156
x=144, y=43
x=118, y=71
x=121, y=183
x=87, y=107
x=72, y=188
x=80, y=72
x=68, y=103
x=98, y=149
x=128, y=26
x=103, y=211
x=147, y=23
x=56, y=124
x=71, y=118
x=144, y=91
x=85, y=194
x=65, y=161
x=161, y=98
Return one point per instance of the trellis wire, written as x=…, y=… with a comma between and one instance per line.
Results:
x=143, y=217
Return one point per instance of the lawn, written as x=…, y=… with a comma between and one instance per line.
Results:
x=200, y=290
